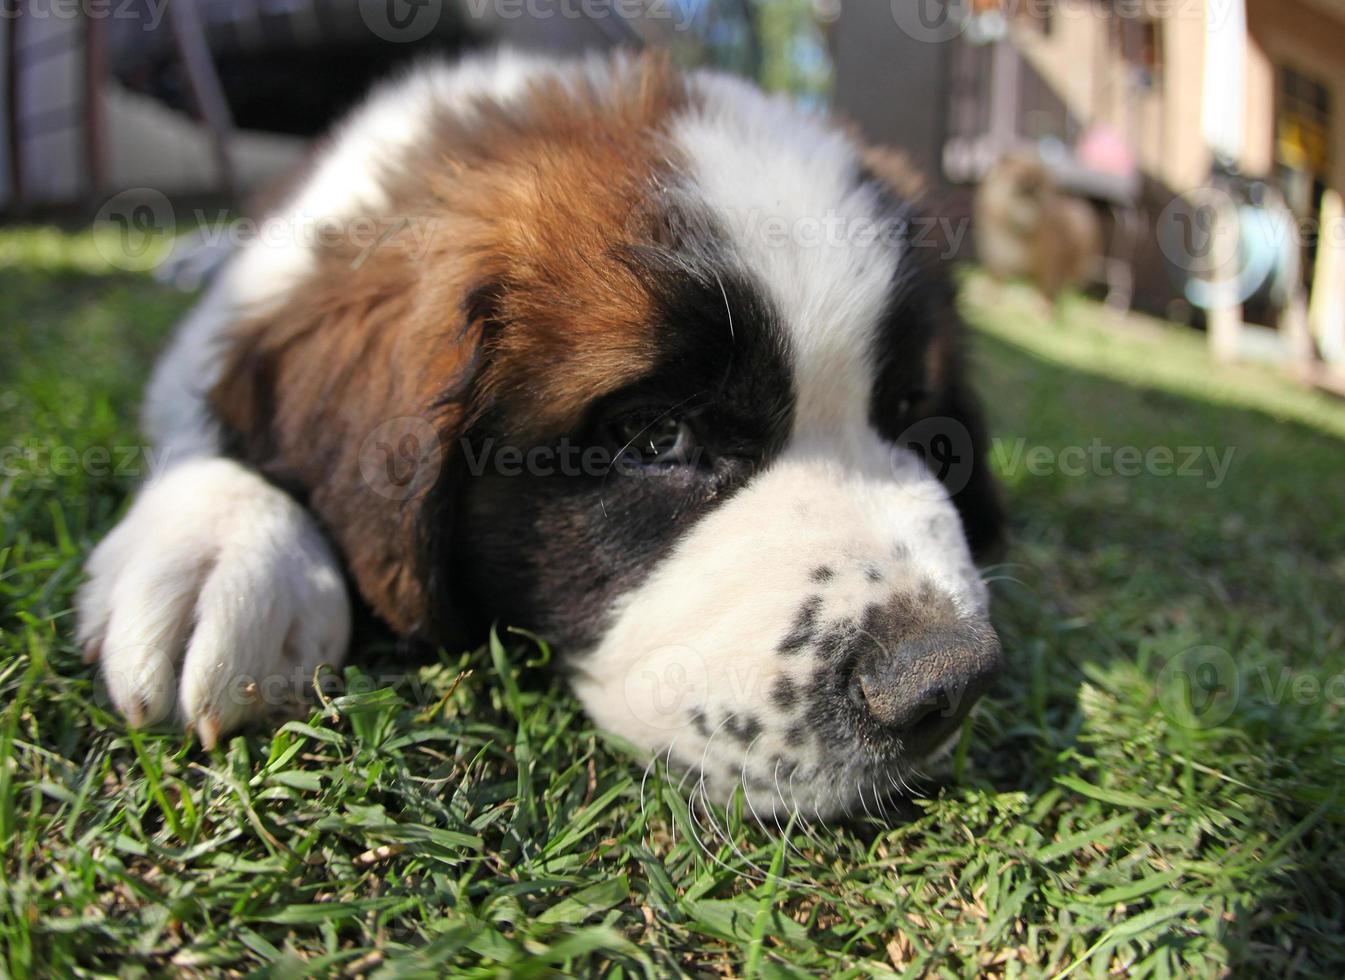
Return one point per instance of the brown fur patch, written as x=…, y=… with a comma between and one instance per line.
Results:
x=546, y=206
x=496, y=284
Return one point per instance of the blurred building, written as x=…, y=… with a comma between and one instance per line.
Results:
x=1134, y=104
x=1176, y=119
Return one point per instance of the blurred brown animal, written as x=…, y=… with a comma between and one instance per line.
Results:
x=1026, y=227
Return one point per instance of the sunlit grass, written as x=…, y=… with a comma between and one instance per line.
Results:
x=1116, y=810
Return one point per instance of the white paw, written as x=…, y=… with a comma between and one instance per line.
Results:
x=217, y=595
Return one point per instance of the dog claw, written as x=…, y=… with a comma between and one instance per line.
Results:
x=208, y=730
x=136, y=711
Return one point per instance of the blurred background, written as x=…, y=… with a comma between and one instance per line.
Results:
x=1179, y=157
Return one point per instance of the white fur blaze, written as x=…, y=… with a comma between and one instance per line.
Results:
x=699, y=660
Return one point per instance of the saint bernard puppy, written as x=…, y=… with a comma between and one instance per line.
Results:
x=649, y=362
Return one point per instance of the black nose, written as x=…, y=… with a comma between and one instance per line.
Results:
x=920, y=687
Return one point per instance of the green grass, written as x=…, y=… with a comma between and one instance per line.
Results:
x=1154, y=788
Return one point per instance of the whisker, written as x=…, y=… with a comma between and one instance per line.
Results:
x=894, y=795
x=804, y=824
x=859, y=787
x=701, y=794
x=848, y=805
x=905, y=784
x=742, y=780
x=667, y=767
x=727, y=308
x=794, y=814
x=992, y=579
x=898, y=781
x=692, y=824
x=785, y=837
x=775, y=778
x=728, y=839
x=701, y=791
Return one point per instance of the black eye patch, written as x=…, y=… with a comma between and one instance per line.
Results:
x=552, y=552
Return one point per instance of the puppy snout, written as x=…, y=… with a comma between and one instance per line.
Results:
x=920, y=686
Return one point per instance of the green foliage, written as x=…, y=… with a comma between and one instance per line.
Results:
x=794, y=56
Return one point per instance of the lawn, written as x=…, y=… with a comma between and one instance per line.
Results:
x=1155, y=787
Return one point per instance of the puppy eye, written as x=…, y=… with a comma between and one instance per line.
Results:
x=655, y=441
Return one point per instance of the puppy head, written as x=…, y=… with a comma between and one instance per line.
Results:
x=698, y=417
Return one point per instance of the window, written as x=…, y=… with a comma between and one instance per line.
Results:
x=1304, y=121
x=1302, y=138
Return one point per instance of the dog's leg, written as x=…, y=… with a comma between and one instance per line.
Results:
x=217, y=594
x=217, y=591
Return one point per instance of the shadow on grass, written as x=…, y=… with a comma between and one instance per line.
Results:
x=1175, y=639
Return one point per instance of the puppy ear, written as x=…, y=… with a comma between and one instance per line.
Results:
x=350, y=393
x=978, y=498
x=951, y=397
